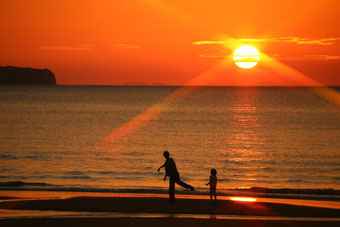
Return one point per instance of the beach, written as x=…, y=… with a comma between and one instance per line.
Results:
x=88, y=209
x=139, y=113
x=157, y=222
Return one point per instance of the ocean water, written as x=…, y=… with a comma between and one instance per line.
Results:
x=113, y=137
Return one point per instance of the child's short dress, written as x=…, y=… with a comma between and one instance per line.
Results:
x=213, y=182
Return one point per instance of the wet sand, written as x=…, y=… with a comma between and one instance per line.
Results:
x=141, y=222
x=161, y=205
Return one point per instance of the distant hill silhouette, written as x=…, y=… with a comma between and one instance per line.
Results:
x=18, y=75
x=143, y=84
x=160, y=84
x=133, y=83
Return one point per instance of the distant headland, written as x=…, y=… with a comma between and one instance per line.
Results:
x=18, y=75
x=133, y=83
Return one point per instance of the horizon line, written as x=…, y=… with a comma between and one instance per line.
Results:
x=166, y=85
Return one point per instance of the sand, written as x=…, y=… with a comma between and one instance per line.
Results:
x=158, y=205
x=164, y=222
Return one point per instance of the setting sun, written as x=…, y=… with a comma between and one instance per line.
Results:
x=246, y=57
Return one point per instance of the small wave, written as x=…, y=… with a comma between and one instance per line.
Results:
x=106, y=159
x=326, y=191
x=225, y=180
x=8, y=157
x=6, y=169
x=106, y=172
x=44, y=176
x=294, y=181
x=269, y=169
x=74, y=172
x=22, y=184
x=336, y=178
x=35, y=157
x=76, y=177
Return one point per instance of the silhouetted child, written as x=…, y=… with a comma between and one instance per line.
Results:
x=213, y=184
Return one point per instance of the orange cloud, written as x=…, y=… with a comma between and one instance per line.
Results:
x=126, y=46
x=306, y=57
x=288, y=39
x=71, y=48
x=211, y=56
x=323, y=57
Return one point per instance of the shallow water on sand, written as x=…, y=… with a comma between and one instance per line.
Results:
x=114, y=137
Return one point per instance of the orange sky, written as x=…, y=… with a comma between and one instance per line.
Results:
x=160, y=41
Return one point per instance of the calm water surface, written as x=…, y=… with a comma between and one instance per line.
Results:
x=114, y=137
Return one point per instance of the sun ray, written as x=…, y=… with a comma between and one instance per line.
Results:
x=296, y=78
x=153, y=112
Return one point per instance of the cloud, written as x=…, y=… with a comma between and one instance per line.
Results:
x=324, y=57
x=126, y=46
x=287, y=39
x=87, y=45
x=309, y=57
x=70, y=48
x=305, y=41
x=231, y=43
x=210, y=42
x=84, y=47
x=211, y=56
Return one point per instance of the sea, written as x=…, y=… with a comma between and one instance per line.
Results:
x=112, y=138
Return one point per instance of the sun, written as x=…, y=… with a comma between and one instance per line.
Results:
x=246, y=56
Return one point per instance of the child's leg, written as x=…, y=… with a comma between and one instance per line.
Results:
x=211, y=194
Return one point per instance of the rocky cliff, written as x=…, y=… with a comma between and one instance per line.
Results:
x=18, y=75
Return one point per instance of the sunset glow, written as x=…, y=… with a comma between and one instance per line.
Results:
x=169, y=42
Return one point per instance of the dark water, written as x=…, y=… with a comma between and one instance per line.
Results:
x=114, y=137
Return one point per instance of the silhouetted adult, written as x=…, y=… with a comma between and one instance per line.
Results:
x=171, y=171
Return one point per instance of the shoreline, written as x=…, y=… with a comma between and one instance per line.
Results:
x=156, y=203
x=21, y=195
x=331, y=194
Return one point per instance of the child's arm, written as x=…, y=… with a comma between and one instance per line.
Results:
x=209, y=181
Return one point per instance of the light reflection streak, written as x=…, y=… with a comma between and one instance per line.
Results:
x=296, y=78
x=153, y=112
x=242, y=199
x=243, y=137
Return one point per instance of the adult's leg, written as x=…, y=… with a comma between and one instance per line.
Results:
x=172, y=188
x=181, y=183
